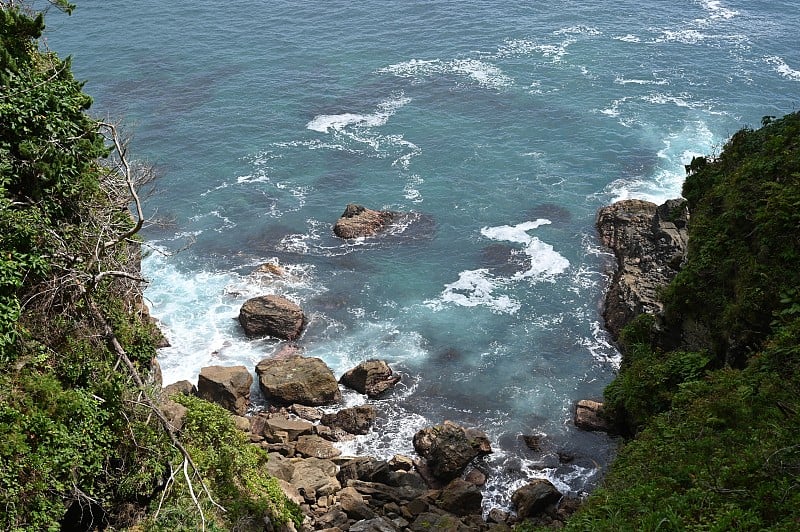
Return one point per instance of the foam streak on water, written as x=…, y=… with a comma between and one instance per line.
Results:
x=499, y=128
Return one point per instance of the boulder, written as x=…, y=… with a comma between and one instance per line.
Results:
x=354, y=505
x=175, y=414
x=376, y=524
x=227, y=386
x=448, y=448
x=184, y=387
x=650, y=243
x=372, y=377
x=589, y=416
x=309, y=413
x=355, y=420
x=316, y=447
x=315, y=477
x=296, y=379
x=272, y=316
x=358, y=221
x=533, y=498
x=461, y=498
x=276, y=428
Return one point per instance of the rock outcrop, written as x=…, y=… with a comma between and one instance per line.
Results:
x=589, y=416
x=448, y=448
x=373, y=377
x=272, y=316
x=649, y=242
x=228, y=387
x=295, y=379
x=358, y=221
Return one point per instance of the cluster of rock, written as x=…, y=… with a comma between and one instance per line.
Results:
x=439, y=489
x=649, y=242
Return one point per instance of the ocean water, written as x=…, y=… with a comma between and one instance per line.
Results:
x=500, y=126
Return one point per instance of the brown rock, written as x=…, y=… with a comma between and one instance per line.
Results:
x=315, y=477
x=358, y=221
x=461, y=498
x=309, y=413
x=228, y=386
x=355, y=420
x=184, y=387
x=316, y=447
x=354, y=505
x=293, y=428
x=476, y=477
x=650, y=243
x=448, y=448
x=372, y=377
x=534, y=497
x=272, y=316
x=589, y=416
x=302, y=380
x=175, y=414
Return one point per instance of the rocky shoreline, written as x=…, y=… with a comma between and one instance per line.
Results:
x=439, y=489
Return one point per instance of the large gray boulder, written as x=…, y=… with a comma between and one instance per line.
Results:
x=372, y=377
x=272, y=316
x=295, y=379
x=358, y=221
x=448, y=448
x=649, y=242
x=461, y=498
x=533, y=498
x=227, y=386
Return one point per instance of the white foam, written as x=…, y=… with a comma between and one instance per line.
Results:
x=717, y=10
x=782, y=68
x=326, y=123
x=545, y=261
x=475, y=288
x=579, y=30
x=484, y=74
x=684, y=36
x=667, y=177
x=620, y=80
x=628, y=38
x=197, y=311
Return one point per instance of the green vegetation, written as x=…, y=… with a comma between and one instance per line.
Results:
x=81, y=440
x=712, y=394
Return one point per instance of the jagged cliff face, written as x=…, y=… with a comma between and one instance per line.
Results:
x=650, y=243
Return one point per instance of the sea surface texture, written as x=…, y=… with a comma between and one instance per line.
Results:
x=502, y=126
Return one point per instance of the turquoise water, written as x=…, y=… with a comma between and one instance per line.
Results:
x=503, y=126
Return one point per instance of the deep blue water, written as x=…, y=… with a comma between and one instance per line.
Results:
x=503, y=126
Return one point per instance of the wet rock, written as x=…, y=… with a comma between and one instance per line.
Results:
x=532, y=442
x=650, y=244
x=295, y=379
x=273, y=316
x=476, y=477
x=228, y=387
x=355, y=420
x=372, y=377
x=461, y=498
x=358, y=221
x=534, y=497
x=448, y=448
x=589, y=416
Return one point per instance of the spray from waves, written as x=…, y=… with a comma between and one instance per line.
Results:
x=780, y=66
x=478, y=287
x=545, y=261
x=328, y=123
x=666, y=179
x=198, y=310
x=484, y=74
